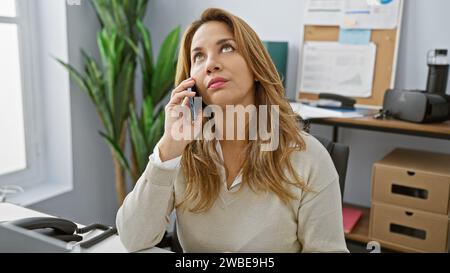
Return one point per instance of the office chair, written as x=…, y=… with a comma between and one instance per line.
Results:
x=339, y=154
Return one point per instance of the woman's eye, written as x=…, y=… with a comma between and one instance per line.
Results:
x=228, y=48
x=225, y=48
x=196, y=57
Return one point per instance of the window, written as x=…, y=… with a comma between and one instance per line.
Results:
x=12, y=145
x=8, y=8
x=18, y=140
x=31, y=33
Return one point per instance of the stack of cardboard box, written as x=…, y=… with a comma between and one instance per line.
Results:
x=410, y=201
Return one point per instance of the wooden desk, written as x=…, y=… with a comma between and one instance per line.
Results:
x=433, y=130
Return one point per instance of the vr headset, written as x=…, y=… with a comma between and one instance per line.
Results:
x=416, y=106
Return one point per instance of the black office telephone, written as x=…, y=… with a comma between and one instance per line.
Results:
x=54, y=227
x=63, y=229
x=328, y=100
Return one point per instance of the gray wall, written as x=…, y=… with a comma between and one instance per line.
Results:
x=93, y=198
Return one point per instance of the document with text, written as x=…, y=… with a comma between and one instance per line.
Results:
x=330, y=67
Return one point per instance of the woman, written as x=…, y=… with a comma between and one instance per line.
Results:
x=232, y=195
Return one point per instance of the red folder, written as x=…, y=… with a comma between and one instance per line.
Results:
x=351, y=217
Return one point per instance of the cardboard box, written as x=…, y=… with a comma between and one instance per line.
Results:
x=413, y=179
x=408, y=229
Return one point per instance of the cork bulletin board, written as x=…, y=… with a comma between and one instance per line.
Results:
x=387, y=42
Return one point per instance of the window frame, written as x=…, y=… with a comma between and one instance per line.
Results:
x=33, y=173
x=43, y=38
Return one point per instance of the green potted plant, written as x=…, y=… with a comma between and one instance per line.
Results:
x=123, y=42
x=147, y=127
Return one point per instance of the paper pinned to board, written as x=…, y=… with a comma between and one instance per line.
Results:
x=324, y=12
x=330, y=67
x=370, y=14
x=355, y=36
x=360, y=14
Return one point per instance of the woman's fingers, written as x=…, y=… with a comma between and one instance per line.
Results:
x=183, y=86
x=185, y=101
x=178, y=97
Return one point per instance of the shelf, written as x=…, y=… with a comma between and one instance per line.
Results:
x=435, y=130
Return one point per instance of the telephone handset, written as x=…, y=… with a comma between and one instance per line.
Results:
x=336, y=101
x=63, y=229
x=54, y=227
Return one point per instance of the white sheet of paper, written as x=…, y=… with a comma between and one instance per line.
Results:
x=324, y=12
x=370, y=14
x=310, y=112
x=330, y=67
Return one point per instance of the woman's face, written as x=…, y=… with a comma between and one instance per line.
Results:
x=214, y=54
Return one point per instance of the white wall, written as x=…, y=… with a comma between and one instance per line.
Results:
x=425, y=26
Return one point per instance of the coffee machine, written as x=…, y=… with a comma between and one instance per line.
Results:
x=438, y=66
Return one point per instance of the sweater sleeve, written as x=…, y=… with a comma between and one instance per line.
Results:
x=320, y=222
x=320, y=225
x=169, y=164
x=145, y=213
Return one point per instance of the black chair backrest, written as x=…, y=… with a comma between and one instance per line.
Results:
x=339, y=154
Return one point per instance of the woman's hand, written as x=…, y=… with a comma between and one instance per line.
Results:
x=170, y=146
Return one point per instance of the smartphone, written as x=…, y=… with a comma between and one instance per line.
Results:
x=191, y=102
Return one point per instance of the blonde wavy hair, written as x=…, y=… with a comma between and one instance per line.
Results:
x=200, y=157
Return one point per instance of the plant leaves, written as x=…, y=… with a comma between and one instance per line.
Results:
x=75, y=75
x=147, y=61
x=140, y=148
x=118, y=152
x=165, y=69
x=156, y=131
x=147, y=115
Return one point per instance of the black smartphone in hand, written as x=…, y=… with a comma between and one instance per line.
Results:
x=191, y=102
